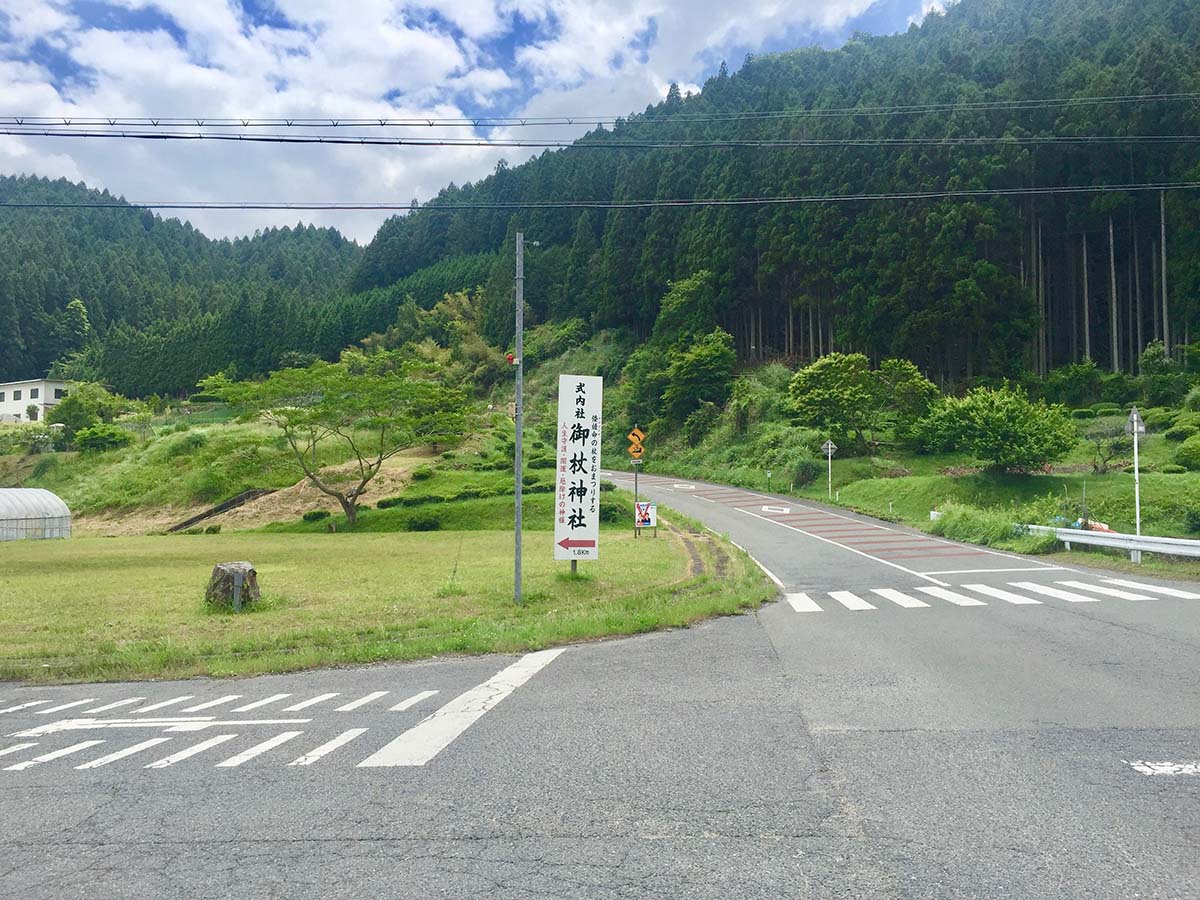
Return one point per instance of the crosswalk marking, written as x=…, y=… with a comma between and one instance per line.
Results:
x=54, y=709
x=328, y=747
x=162, y=704
x=17, y=748
x=220, y=701
x=258, y=749
x=312, y=701
x=115, y=705
x=1054, y=592
x=956, y=599
x=53, y=755
x=121, y=754
x=1154, y=589
x=801, y=603
x=412, y=701
x=436, y=732
x=362, y=701
x=850, y=600
x=191, y=751
x=21, y=706
x=274, y=698
x=899, y=598
x=1001, y=594
x=1107, y=591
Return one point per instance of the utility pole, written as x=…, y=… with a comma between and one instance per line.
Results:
x=1162, y=270
x=519, y=406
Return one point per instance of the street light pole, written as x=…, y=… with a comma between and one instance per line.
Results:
x=519, y=406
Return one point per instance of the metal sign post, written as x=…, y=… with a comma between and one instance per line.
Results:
x=635, y=438
x=519, y=408
x=829, y=448
x=1135, y=426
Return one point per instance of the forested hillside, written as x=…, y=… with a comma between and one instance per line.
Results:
x=972, y=287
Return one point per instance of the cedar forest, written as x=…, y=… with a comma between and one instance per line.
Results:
x=970, y=289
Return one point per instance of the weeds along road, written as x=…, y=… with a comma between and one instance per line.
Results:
x=915, y=718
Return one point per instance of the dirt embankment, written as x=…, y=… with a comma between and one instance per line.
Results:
x=285, y=505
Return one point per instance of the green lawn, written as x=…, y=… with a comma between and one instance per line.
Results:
x=115, y=608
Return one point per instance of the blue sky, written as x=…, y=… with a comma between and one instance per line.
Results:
x=365, y=58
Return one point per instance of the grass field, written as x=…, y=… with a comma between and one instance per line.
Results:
x=132, y=607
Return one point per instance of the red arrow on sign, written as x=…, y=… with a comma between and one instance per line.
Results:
x=568, y=543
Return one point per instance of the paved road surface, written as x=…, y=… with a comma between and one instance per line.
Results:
x=915, y=719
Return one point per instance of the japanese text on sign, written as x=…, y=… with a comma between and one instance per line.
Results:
x=577, y=496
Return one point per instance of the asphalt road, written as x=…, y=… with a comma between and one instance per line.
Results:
x=915, y=718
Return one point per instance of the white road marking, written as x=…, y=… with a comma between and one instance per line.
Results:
x=162, y=704
x=16, y=748
x=121, y=754
x=843, y=546
x=1163, y=768
x=1107, y=591
x=1001, y=594
x=849, y=600
x=259, y=749
x=328, y=747
x=274, y=698
x=899, y=597
x=1053, y=592
x=956, y=599
x=233, y=723
x=117, y=705
x=801, y=603
x=1155, y=589
x=436, y=732
x=990, y=571
x=20, y=706
x=220, y=701
x=312, y=701
x=778, y=510
x=766, y=571
x=191, y=751
x=412, y=701
x=54, y=709
x=362, y=701
x=89, y=723
x=56, y=754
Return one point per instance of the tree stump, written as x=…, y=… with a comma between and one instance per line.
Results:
x=220, y=585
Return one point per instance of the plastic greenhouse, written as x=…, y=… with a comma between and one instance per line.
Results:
x=33, y=514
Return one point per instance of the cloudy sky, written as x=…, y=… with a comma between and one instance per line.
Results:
x=362, y=58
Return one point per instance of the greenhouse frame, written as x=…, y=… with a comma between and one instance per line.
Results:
x=32, y=514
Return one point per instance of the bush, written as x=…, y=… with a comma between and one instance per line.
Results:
x=1118, y=388
x=1083, y=414
x=422, y=473
x=1188, y=454
x=526, y=480
x=1000, y=427
x=1191, y=520
x=315, y=515
x=213, y=529
x=424, y=522
x=388, y=502
x=1074, y=384
x=1180, y=432
x=1159, y=419
x=1171, y=469
x=541, y=462
x=701, y=422
x=606, y=486
x=100, y=437
x=806, y=472
x=449, y=454
x=1192, y=401
x=1105, y=409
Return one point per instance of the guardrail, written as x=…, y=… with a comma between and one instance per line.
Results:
x=1136, y=545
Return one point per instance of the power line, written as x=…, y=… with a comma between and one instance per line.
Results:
x=597, y=120
x=610, y=144
x=612, y=204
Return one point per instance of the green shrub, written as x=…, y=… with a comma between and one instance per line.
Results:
x=527, y=480
x=1083, y=414
x=1105, y=409
x=990, y=527
x=423, y=522
x=1074, y=384
x=45, y=465
x=806, y=472
x=1188, y=454
x=1180, y=432
x=449, y=454
x=1171, y=469
x=389, y=502
x=1117, y=388
x=1191, y=402
x=100, y=437
x=606, y=486
x=422, y=473
x=1159, y=419
x=315, y=515
x=1191, y=520
x=541, y=462
x=213, y=529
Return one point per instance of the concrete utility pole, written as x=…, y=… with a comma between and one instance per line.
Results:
x=1162, y=244
x=519, y=416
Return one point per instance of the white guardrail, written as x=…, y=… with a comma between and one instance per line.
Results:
x=1135, y=544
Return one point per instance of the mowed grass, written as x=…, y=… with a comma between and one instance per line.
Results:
x=123, y=608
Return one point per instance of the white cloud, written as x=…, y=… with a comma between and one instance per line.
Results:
x=370, y=58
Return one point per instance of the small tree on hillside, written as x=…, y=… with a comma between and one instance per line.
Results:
x=1109, y=442
x=375, y=406
x=837, y=394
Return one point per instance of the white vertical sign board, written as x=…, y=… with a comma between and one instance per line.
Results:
x=577, y=497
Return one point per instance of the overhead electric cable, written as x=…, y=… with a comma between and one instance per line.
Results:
x=612, y=204
x=608, y=144
x=530, y=121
